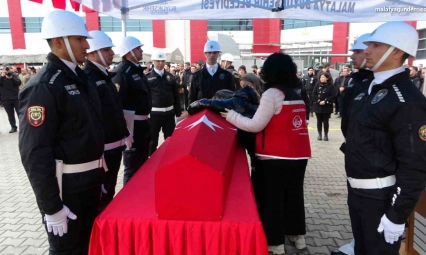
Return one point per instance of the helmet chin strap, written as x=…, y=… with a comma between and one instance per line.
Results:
x=363, y=64
x=102, y=58
x=70, y=53
x=134, y=56
x=383, y=58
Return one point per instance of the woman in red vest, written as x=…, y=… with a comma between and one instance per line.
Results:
x=282, y=149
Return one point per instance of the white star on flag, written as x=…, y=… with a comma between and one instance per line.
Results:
x=204, y=120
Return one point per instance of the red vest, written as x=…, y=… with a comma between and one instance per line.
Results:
x=286, y=135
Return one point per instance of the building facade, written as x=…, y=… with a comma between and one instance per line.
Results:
x=311, y=41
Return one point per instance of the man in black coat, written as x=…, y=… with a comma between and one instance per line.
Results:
x=9, y=87
x=341, y=83
x=116, y=134
x=61, y=138
x=212, y=78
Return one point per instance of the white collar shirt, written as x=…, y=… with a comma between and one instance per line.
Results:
x=380, y=77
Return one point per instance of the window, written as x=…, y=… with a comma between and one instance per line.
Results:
x=421, y=49
x=4, y=25
x=297, y=23
x=110, y=24
x=230, y=25
x=32, y=25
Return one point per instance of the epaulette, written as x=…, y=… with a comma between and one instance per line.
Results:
x=52, y=80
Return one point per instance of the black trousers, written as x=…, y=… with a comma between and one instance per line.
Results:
x=161, y=121
x=183, y=100
x=133, y=159
x=340, y=103
x=113, y=162
x=365, y=216
x=336, y=104
x=9, y=106
x=278, y=189
x=323, y=118
x=84, y=204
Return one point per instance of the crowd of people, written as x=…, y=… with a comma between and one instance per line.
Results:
x=80, y=120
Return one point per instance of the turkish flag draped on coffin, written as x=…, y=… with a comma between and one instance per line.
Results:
x=192, y=179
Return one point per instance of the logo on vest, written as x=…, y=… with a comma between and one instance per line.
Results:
x=297, y=122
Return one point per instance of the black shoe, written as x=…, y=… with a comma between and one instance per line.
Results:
x=319, y=137
x=13, y=130
x=326, y=137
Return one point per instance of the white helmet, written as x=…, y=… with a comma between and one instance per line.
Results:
x=99, y=41
x=211, y=46
x=359, y=43
x=227, y=57
x=397, y=34
x=158, y=55
x=62, y=23
x=128, y=43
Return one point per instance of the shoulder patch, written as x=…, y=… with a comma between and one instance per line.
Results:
x=222, y=76
x=152, y=78
x=128, y=68
x=36, y=115
x=422, y=133
x=52, y=80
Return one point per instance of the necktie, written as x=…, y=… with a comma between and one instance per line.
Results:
x=212, y=71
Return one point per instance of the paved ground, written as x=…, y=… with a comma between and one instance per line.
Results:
x=328, y=225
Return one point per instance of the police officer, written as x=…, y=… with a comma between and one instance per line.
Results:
x=165, y=100
x=135, y=93
x=310, y=81
x=61, y=140
x=100, y=57
x=385, y=143
x=358, y=82
x=212, y=77
x=226, y=63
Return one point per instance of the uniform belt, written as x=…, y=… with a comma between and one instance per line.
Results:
x=377, y=183
x=62, y=168
x=110, y=146
x=141, y=117
x=166, y=109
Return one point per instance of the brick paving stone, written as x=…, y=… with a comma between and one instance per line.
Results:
x=341, y=222
x=341, y=242
x=331, y=228
x=30, y=227
x=31, y=234
x=13, y=241
x=324, y=242
x=316, y=227
x=12, y=227
x=33, y=242
x=313, y=233
x=34, y=251
x=11, y=250
x=12, y=234
x=328, y=234
x=325, y=222
x=346, y=235
x=318, y=250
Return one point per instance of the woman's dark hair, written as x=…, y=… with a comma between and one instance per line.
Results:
x=279, y=72
x=328, y=76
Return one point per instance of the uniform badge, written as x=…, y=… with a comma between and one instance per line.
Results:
x=222, y=76
x=379, y=96
x=360, y=96
x=35, y=115
x=422, y=132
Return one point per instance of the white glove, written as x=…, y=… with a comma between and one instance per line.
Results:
x=58, y=222
x=392, y=231
x=103, y=189
x=129, y=141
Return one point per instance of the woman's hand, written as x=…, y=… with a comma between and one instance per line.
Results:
x=225, y=114
x=322, y=103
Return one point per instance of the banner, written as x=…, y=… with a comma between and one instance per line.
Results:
x=324, y=10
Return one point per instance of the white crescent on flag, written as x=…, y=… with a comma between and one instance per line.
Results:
x=204, y=120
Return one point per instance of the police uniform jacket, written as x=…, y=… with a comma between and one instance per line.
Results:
x=204, y=85
x=164, y=91
x=323, y=92
x=358, y=82
x=114, y=124
x=387, y=136
x=236, y=76
x=59, y=118
x=133, y=86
